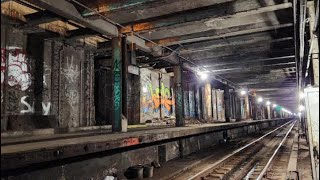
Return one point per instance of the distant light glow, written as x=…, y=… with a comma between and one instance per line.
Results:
x=299, y=113
x=287, y=111
x=268, y=103
x=260, y=99
x=274, y=105
x=203, y=75
x=301, y=108
x=301, y=95
x=243, y=92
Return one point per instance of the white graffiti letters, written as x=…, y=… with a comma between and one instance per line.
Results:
x=30, y=109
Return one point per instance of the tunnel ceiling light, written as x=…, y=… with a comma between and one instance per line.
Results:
x=203, y=75
x=260, y=99
x=301, y=108
x=243, y=92
x=268, y=103
x=299, y=113
x=274, y=105
x=301, y=95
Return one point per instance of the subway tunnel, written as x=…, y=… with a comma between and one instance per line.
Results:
x=159, y=89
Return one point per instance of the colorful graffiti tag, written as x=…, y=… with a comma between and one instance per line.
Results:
x=154, y=99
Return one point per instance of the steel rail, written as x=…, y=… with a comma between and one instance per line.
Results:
x=236, y=151
x=274, y=153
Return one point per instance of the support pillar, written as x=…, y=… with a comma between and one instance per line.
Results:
x=178, y=88
x=315, y=46
x=116, y=85
x=227, y=103
x=246, y=107
x=268, y=112
x=254, y=108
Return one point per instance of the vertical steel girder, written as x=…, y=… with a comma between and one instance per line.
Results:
x=178, y=86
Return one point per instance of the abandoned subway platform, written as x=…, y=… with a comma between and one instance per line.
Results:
x=159, y=89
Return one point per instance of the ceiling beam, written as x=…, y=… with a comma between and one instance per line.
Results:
x=252, y=61
x=217, y=34
x=233, y=41
x=41, y=17
x=224, y=11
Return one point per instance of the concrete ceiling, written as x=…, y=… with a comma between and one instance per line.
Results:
x=249, y=42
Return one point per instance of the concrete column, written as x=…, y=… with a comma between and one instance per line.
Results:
x=246, y=107
x=35, y=50
x=178, y=88
x=116, y=85
x=227, y=103
x=315, y=49
x=268, y=112
x=254, y=107
x=206, y=101
x=238, y=107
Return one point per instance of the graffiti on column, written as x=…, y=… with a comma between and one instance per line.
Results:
x=155, y=98
x=3, y=63
x=19, y=75
x=71, y=73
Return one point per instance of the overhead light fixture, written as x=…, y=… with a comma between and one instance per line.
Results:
x=203, y=75
x=299, y=113
x=268, y=103
x=301, y=108
x=243, y=92
x=301, y=95
x=260, y=99
x=274, y=105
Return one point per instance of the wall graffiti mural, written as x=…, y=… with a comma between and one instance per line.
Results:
x=19, y=75
x=155, y=98
x=3, y=64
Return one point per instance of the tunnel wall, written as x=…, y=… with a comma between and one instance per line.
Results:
x=60, y=98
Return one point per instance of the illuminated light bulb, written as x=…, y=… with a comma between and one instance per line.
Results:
x=274, y=105
x=301, y=108
x=260, y=99
x=301, y=95
x=268, y=103
x=243, y=92
x=203, y=75
x=299, y=113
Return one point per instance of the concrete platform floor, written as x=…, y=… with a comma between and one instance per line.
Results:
x=22, y=144
x=26, y=151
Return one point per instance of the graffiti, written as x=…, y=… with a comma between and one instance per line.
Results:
x=47, y=72
x=72, y=71
x=72, y=97
x=3, y=63
x=117, y=83
x=18, y=70
x=30, y=108
x=130, y=141
x=154, y=99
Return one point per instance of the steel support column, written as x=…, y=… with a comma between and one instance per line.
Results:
x=268, y=112
x=116, y=85
x=178, y=88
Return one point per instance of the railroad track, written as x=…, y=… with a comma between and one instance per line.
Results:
x=255, y=160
